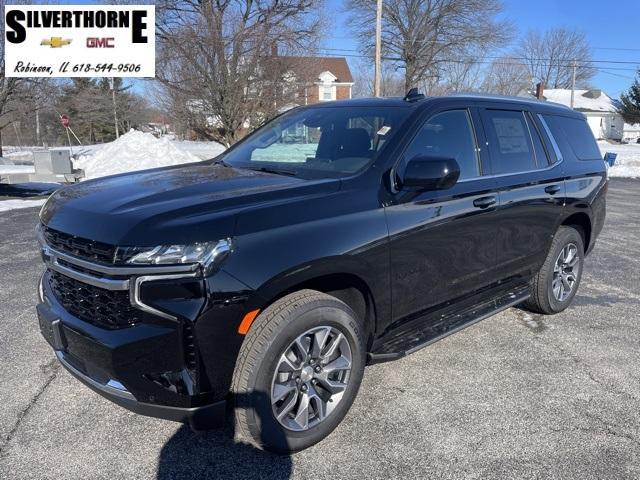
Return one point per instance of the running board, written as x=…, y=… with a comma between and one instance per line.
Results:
x=436, y=327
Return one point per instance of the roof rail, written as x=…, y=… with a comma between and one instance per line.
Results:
x=413, y=95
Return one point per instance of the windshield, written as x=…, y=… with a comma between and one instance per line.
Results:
x=318, y=141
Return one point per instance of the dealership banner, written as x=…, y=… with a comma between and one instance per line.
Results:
x=80, y=41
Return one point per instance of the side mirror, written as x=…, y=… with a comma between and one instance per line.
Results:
x=431, y=173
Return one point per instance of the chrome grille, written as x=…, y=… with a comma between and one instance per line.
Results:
x=101, y=307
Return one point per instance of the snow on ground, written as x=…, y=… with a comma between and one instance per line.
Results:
x=6, y=205
x=139, y=151
x=15, y=169
x=202, y=150
x=628, y=162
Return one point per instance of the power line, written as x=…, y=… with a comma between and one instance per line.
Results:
x=618, y=49
x=616, y=74
x=509, y=57
x=488, y=61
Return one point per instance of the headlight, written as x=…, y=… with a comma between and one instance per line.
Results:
x=207, y=254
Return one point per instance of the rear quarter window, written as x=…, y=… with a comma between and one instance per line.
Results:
x=575, y=133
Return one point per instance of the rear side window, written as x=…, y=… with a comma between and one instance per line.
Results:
x=450, y=135
x=576, y=133
x=509, y=141
x=538, y=147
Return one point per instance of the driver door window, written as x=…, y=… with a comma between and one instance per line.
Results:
x=449, y=135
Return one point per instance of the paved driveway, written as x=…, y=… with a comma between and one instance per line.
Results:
x=515, y=396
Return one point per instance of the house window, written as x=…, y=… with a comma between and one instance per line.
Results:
x=327, y=92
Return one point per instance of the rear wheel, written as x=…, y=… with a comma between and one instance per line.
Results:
x=557, y=282
x=298, y=371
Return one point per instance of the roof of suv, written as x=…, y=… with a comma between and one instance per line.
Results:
x=497, y=99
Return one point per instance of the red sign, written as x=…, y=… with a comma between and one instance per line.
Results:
x=64, y=120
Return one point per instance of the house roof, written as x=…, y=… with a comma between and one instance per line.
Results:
x=584, y=100
x=312, y=67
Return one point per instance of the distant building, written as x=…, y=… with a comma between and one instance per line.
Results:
x=631, y=133
x=602, y=111
x=286, y=82
x=312, y=79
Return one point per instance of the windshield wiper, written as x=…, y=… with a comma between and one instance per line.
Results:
x=222, y=162
x=277, y=171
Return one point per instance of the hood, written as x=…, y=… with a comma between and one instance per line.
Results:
x=183, y=204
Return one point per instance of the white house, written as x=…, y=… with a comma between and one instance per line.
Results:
x=631, y=133
x=600, y=109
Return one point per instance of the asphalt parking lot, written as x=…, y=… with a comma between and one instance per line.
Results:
x=515, y=396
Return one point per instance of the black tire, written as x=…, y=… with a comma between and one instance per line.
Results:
x=542, y=299
x=271, y=334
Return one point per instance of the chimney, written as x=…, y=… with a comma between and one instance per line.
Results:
x=540, y=91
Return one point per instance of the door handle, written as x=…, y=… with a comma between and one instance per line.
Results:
x=552, y=189
x=484, y=202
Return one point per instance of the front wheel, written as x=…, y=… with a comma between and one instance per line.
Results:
x=557, y=282
x=298, y=371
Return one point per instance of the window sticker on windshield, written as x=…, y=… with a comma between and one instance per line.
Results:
x=384, y=130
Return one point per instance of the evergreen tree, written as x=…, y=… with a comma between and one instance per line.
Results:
x=89, y=104
x=83, y=100
x=630, y=109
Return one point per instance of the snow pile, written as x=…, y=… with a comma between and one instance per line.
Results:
x=133, y=151
x=628, y=160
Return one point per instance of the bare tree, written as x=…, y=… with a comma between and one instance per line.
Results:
x=9, y=88
x=424, y=34
x=549, y=56
x=212, y=53
x=391, y=85
x=507, y=76
x=458, y=75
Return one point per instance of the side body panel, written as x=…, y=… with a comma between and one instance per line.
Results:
x=531, y=203
x=586, y=188
x=442, y=243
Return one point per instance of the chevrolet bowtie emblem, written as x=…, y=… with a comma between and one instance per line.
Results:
x=55, y=42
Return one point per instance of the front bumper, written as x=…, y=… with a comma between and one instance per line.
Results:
x=199, y=418
x=123, y=365
x=159, y=340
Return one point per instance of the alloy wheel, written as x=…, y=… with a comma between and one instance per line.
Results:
x=565, y=272
x=310, y=378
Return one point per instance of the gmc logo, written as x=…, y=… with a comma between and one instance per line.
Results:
x=94, y=42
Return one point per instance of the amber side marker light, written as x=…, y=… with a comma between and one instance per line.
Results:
x=247, y=320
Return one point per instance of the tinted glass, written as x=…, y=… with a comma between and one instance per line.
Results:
x=553, y=150
x=449, y=135
x=538, y=147
x=319, y=141
x=577, y=134
x=509, y=141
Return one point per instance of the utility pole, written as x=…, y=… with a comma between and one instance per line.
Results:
x=115, y=110
x=573, y=81
x=37, y=125
x=377, y=72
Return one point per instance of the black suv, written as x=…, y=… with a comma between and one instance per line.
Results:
x=339, y=234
